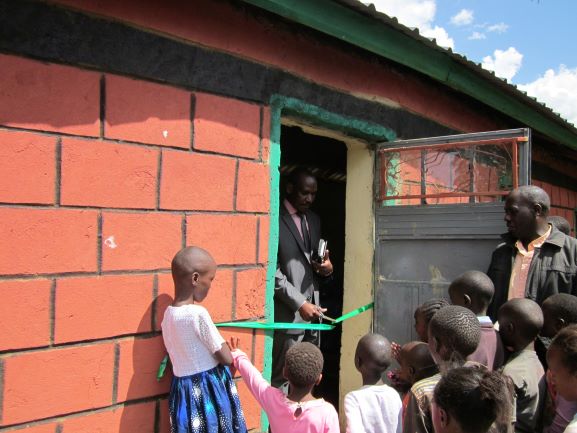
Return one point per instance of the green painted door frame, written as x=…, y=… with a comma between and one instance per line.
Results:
x=282, y=106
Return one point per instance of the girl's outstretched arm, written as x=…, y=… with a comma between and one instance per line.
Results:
x=262, y=391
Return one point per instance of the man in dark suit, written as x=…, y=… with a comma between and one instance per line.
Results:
x=299, y=271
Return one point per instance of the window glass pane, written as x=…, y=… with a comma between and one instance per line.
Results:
x=493, y=170
x=401, y=176
x=446, y=175
x=448, y=171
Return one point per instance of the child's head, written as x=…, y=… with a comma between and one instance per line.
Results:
x=473, y=290
x=423, y=315
x=560, y=224
x=193, y=270
x=562, y=360
x=416, y=362
x=520, y=321
x=303, y=365
x=373, y=355
x=559, y=310
x=470, y=400
x=454, y=334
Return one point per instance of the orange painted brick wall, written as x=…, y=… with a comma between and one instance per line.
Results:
x=102, y=179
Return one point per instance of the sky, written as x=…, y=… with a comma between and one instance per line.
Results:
x=531, y=43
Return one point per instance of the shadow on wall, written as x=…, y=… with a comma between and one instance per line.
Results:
x=147, y=397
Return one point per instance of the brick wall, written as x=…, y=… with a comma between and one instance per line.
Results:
x=102, y=179
x=563, y=201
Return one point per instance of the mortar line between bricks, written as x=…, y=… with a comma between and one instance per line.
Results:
x=1, y=390
x=81, y=343
x=183, y=228
x=102, y=113
x=115, y=372
x=253, y=347
x=58, y=173
x=233, y=300
x=99, y=245
x=52, y=311
x=63, y=275
x=153, y=304
x=257, y=239
x=158, y=179
x=157, y=416
x=192, y=116
x=149, y=211
x=78, y=414
x=235, y=190
x=261, y=122
x=128, y=143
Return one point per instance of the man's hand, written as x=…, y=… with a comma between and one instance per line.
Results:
x=310, y=311
x=325, y=268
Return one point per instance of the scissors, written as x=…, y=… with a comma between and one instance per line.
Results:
x=322, y=316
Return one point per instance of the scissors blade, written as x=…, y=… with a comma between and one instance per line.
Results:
x=330, y=319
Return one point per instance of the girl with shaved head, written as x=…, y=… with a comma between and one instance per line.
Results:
x=203, y=397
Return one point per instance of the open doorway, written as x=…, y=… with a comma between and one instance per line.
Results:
x=327, y=159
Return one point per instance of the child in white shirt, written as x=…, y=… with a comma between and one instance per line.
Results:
x=375, y=407
x=203, y=397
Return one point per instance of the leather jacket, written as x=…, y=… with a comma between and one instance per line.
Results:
x=553, y=269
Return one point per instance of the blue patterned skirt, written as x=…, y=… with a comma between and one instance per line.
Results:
x=205, y=402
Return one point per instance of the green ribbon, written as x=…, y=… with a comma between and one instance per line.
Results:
x=279, y=325
x=162, y=368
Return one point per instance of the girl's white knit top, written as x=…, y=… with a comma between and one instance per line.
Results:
x=191, y=339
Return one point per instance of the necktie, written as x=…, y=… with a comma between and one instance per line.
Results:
x=305, y=232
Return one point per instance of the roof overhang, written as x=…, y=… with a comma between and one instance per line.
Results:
x=362, y=27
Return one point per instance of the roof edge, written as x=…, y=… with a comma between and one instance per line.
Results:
x=412, y=50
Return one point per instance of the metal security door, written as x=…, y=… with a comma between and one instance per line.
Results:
x=439, y=213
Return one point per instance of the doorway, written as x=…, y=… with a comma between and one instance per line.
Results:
x=326, y=158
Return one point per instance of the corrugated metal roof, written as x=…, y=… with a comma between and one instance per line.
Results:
x=363, y=26
x=371, y=11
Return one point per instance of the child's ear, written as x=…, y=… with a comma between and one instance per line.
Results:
x=194, y=277
x=467, y=300
x=289, y=188
x=412, y=371
x=559, y=324
x=319, y=379
x=443, y=417
x=511, y=328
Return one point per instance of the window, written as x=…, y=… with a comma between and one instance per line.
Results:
x=462, y=172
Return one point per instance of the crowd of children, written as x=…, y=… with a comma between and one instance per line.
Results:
x=466, y=375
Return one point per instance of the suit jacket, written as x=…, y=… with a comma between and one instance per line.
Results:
x=295, y=280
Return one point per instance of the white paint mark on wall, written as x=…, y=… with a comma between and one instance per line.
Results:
x=165, y=133
x=109, y=242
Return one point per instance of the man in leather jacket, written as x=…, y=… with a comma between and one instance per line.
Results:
x=535, y=260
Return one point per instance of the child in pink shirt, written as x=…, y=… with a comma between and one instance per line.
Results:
x=298, y=411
